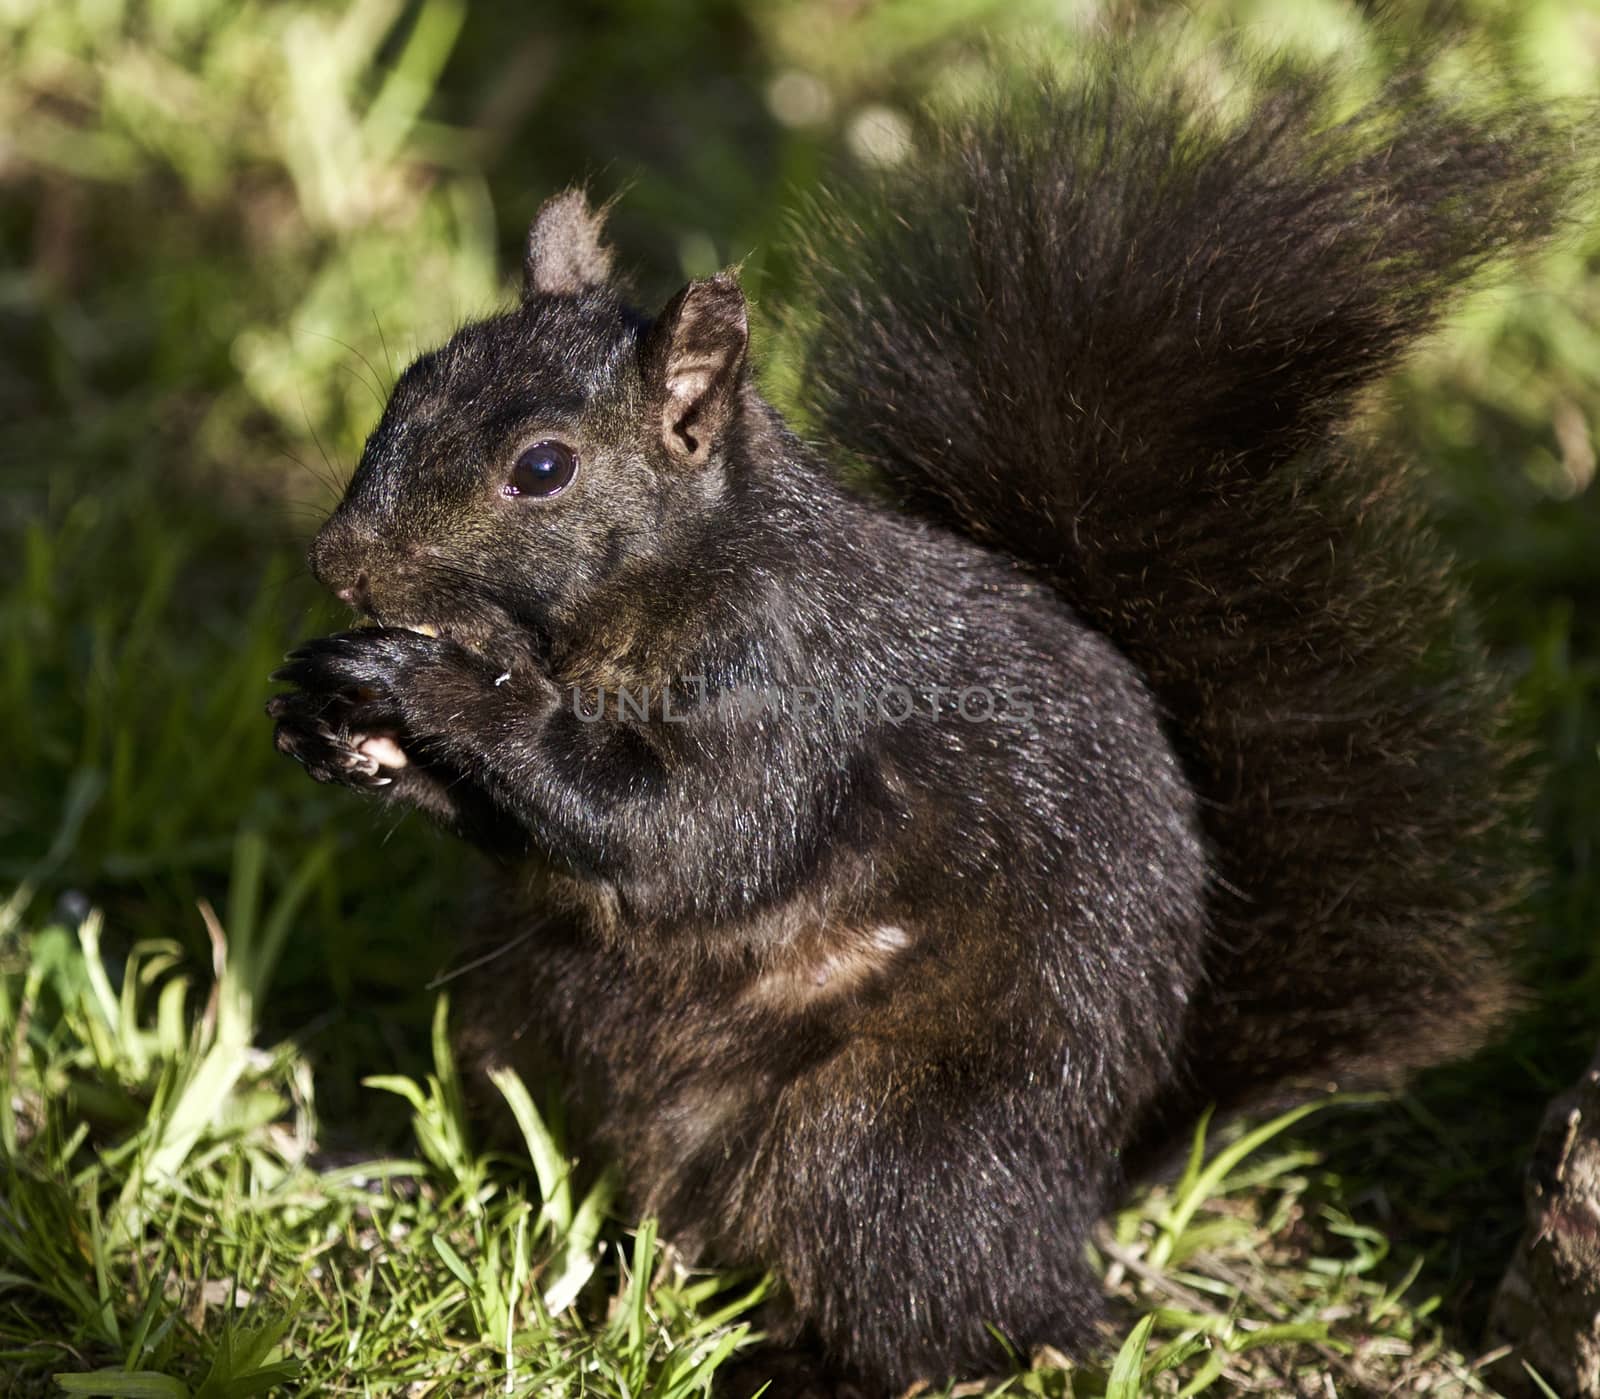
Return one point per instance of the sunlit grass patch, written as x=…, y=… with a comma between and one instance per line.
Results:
x=168, y=1228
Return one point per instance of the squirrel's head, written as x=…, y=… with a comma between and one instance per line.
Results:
x=544, y=456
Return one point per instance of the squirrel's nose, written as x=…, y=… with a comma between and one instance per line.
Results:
x=356, y=594
x=338, y=561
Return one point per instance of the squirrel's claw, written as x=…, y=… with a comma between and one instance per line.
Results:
x=329, y=756
x=315, y=731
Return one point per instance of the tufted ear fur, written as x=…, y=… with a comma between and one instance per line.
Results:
x=564, y=253
x=693, y=363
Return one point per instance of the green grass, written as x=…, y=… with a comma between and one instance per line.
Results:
x=233, y=1151
x=163, y=1210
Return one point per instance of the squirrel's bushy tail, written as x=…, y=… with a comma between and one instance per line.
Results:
x=1119, y=335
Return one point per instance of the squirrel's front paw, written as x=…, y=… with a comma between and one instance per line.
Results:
x=328, y=753
x=377, y=689
x=357, y=670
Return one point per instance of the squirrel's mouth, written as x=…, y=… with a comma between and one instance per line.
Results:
x=468, y=639
x=429, y=629
x=433, y=629
x=439, y=632
x=481, y=641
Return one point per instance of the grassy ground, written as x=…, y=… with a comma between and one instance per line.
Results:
x=232, y=1151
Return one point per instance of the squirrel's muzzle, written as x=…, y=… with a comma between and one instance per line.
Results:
x=340, y=564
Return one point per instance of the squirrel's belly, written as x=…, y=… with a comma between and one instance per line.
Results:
x=830, y=964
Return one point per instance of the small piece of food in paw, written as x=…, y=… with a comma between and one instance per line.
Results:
x=383, y=750
x=354, y=760
x=426, y=628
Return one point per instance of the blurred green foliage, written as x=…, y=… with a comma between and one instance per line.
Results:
x=226, y=224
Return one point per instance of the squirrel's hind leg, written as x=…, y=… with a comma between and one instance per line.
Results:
x=785, y=1372
x=916, y=1201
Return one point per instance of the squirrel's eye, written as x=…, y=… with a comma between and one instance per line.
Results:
x=544, y=469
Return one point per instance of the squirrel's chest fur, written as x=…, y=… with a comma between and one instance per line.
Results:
x=1030, y=930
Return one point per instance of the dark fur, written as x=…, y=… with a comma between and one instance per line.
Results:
x=882, y=1004
x=1121, y=339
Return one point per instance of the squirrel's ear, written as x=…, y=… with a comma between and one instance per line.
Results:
x=564, y=254
x=693, y=361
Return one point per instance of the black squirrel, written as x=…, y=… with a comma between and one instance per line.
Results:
x=886, y=866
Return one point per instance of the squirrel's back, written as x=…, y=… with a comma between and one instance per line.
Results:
x=1120, y=335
